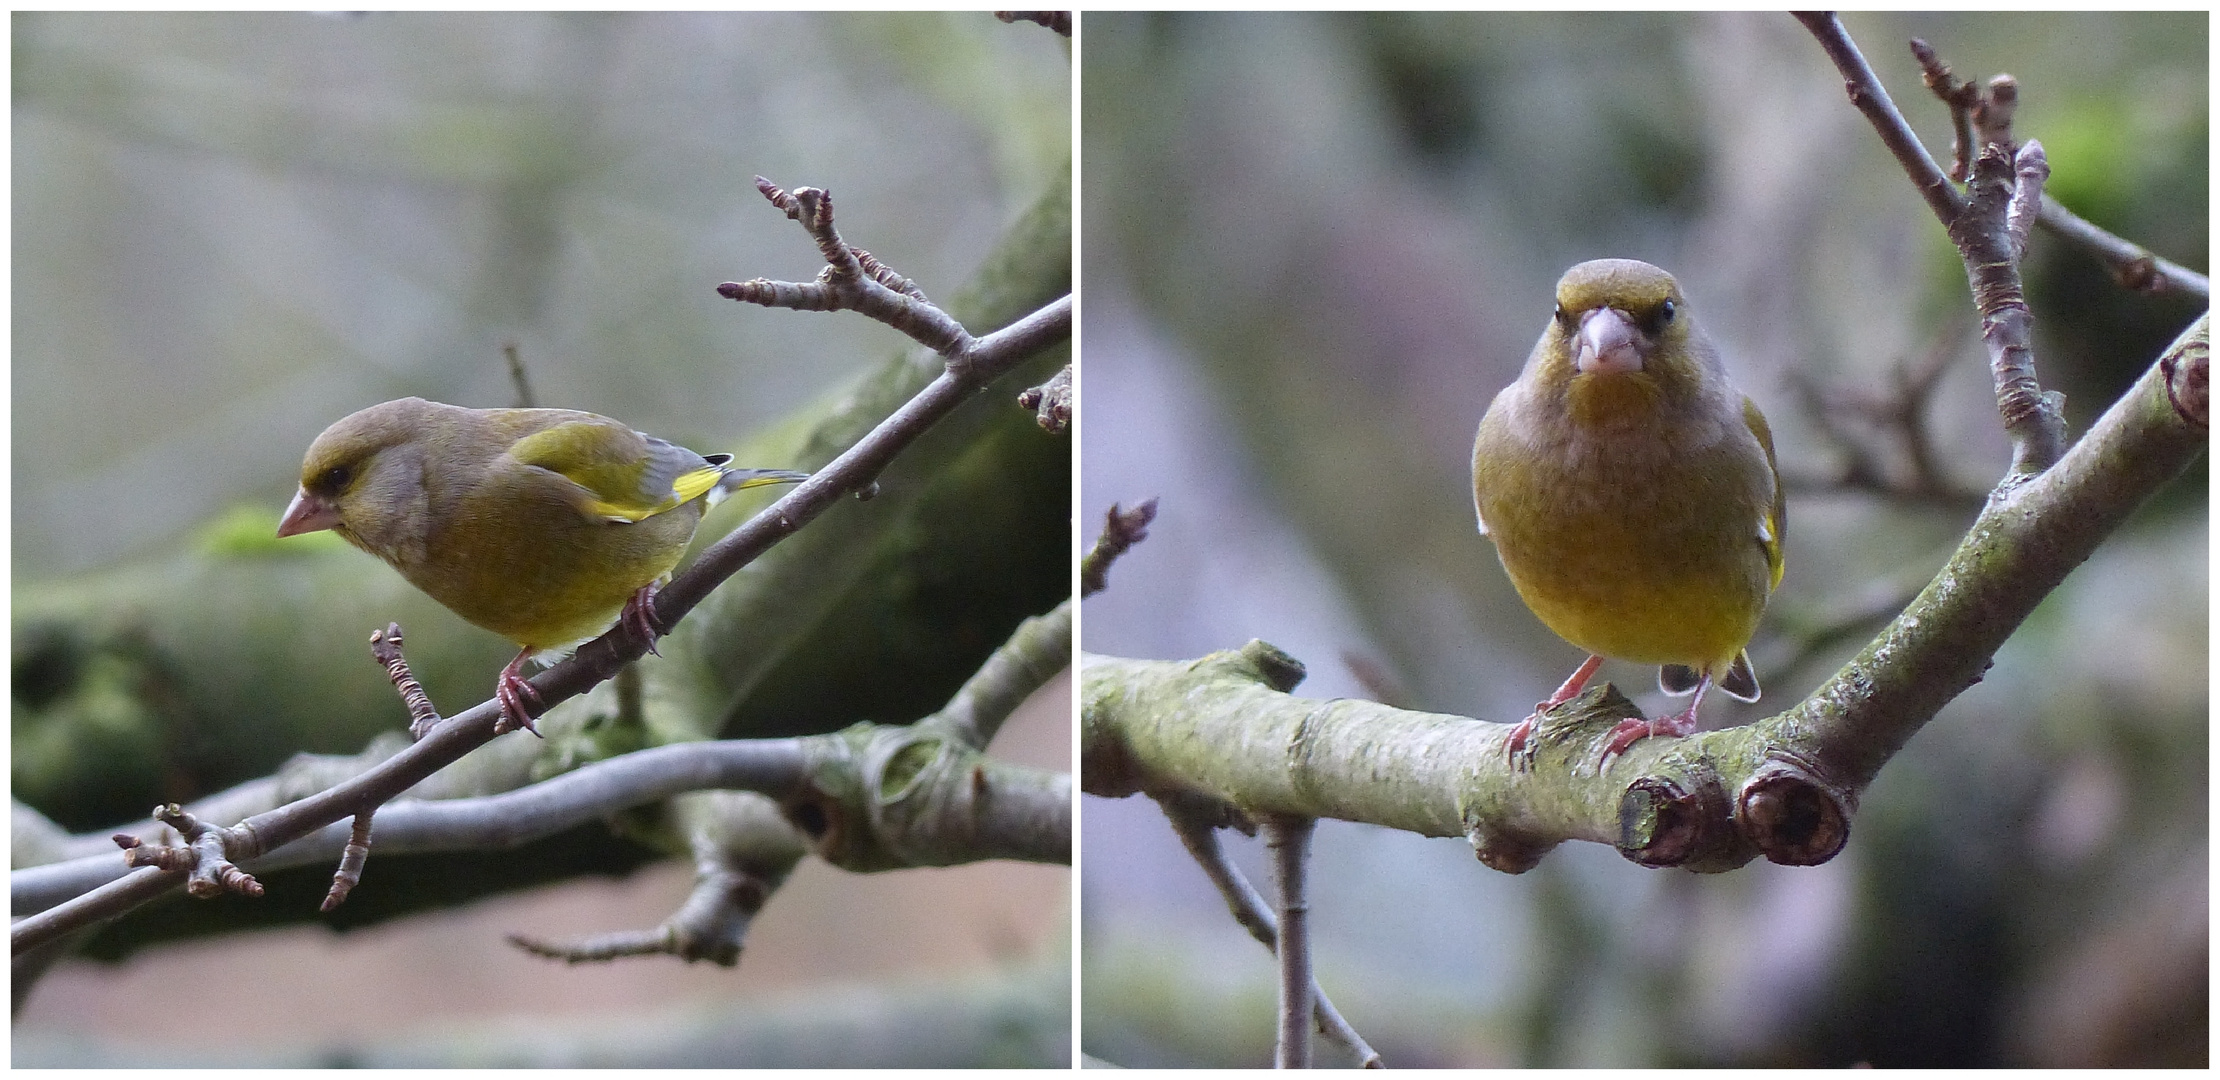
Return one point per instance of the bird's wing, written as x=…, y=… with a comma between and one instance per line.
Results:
x=624, y=475
x=1773, y=525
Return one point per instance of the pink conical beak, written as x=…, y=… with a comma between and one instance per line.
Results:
x=307, y=513
x=1607, y=342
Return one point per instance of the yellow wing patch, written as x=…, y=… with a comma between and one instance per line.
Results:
x=1773, y=525
x=616, y=467
x=693, y=485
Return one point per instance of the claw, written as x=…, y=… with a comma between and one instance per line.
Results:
x=1628, y=732
x=639, y=617
x=519, y=702
x=1522, y=743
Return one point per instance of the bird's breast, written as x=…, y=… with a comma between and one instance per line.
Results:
x=1628, y=542
x=538, y=573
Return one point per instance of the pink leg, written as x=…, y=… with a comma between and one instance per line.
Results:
x=638, y=617
x=1629, y=732
x=519, y=702
x=1520, y=743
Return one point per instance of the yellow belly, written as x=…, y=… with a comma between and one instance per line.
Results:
x=1669, y=571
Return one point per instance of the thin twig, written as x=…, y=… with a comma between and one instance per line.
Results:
x=524, y=397
x=1961, y=97
x=385, y=648
x=711, y=925
x=1050, y=402
x=1198, y=831
x=980, y=361
x=1864, y=88
x=1121, y=529
x=851, y=281
x=201, y=856
x=2131, y=265
x=351, y=863
x=1288, y=838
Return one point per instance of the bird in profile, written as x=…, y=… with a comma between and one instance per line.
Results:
x=544, y=526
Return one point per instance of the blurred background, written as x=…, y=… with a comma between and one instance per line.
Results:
x=231, y=230
x=1316, y=245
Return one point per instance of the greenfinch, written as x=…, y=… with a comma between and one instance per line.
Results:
x=542, y=525
x=1632, y=494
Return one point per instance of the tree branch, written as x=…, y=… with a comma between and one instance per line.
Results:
x=1288, y=838
x=2132, y=265
x=1989, y=227
x=1039, y=649
x=1196, y=821
x=1121, y=529
x=2035, y=421
x=950, y=805
x=1785, y=787
x=1864, y=88
x=743, y=851
x=970, y=366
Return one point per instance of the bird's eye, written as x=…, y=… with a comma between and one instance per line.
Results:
x=1665, y=312
x=1562, y=318
x=333, y=480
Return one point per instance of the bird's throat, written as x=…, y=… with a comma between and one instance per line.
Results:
x=1612, y=399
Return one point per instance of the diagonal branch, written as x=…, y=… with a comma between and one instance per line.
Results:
x=1196, y=822
x=1035, y=653
x=1785, y=787
x=743, y=851
x=852, y=279
x=1866, y=92
x=1982, y=225
x=978, y=362
x=2133, y=266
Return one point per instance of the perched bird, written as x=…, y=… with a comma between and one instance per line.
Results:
x=541, y=525
x=1632, y=494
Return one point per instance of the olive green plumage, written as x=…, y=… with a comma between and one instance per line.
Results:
x=537, y=524
x=1630, y=489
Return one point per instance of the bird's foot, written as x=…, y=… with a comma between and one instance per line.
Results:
x=1522, y=743
x=519, y=702
x=1629, y=732
x=639, y=617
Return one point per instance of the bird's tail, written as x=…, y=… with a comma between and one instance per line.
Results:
x=742, y=479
